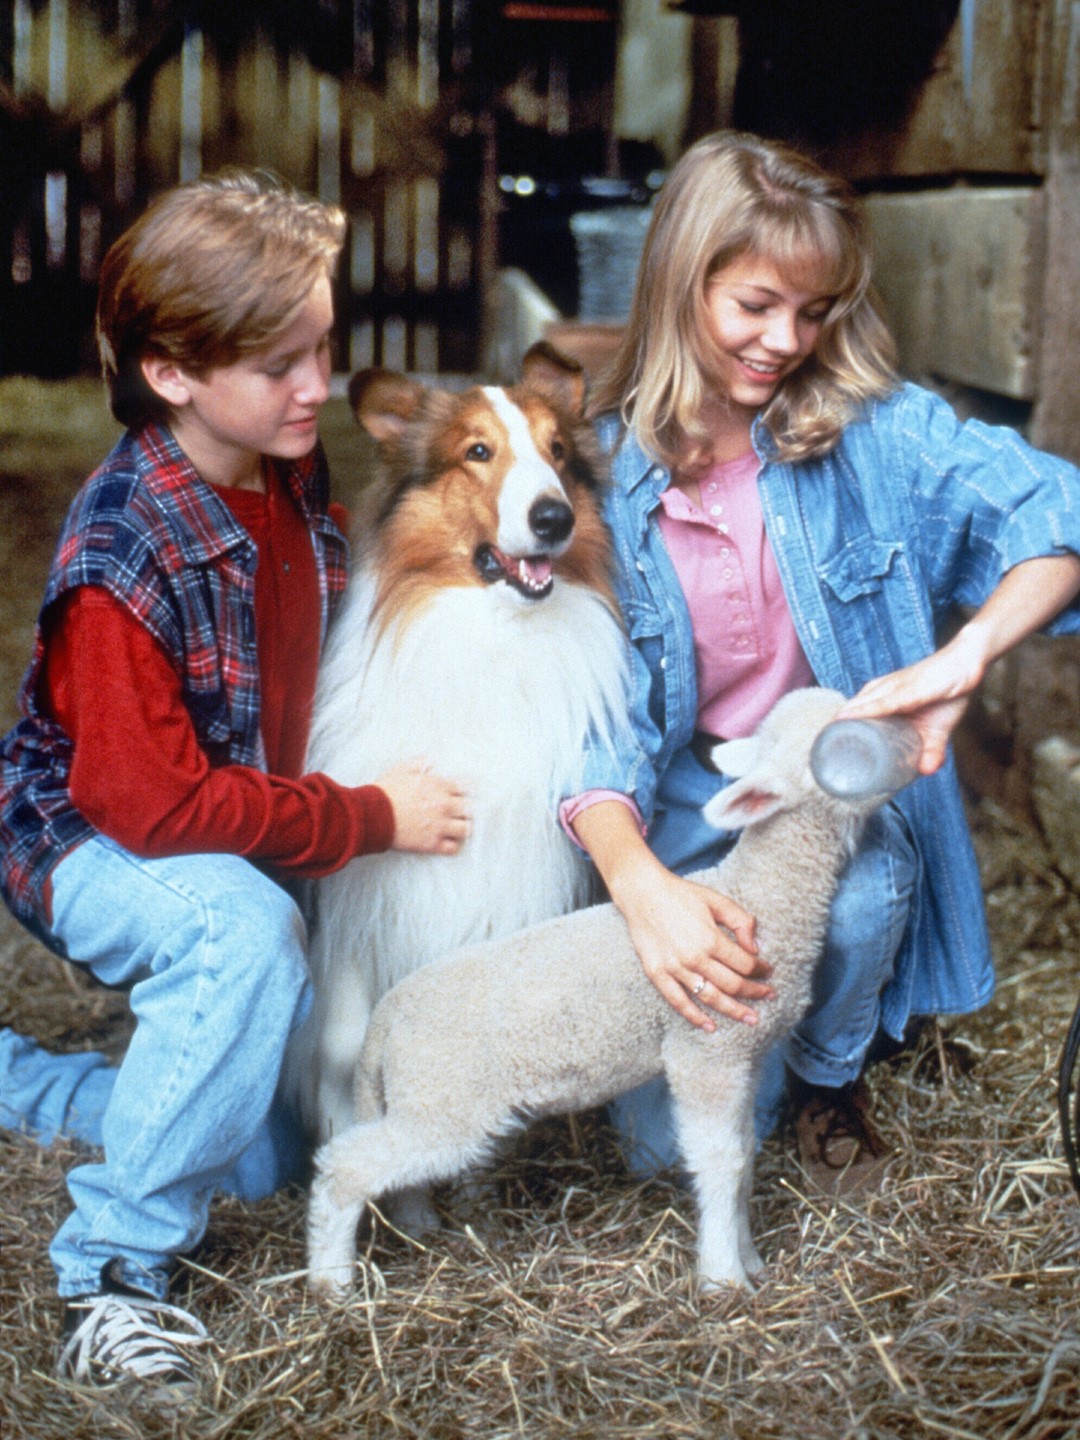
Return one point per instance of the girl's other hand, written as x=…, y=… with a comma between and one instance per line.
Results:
x=431, y=816
x=696, y=946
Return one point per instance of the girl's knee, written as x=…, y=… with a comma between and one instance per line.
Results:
x=871, y=911
x=880, y=877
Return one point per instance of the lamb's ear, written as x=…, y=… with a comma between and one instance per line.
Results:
x=746, y=802
x=383, y=402
x=749, y=798
x=735, y=757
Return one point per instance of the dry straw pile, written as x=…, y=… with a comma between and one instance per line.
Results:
x=561, y=1303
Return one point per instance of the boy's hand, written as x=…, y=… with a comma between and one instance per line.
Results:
x=431, y=816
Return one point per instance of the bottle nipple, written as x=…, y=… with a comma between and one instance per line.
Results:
x=855, y=759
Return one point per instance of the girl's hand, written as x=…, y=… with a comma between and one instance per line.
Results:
x=933, y=694
x=431, y=816
x=680, y=932
x=935, y=691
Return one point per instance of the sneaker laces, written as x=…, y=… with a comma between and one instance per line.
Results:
x=125, y=1336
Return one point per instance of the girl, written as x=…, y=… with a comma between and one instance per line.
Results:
x=787, y=512
x=152, y=798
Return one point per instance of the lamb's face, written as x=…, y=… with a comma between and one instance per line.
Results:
x=794, y=723
x=771, y=768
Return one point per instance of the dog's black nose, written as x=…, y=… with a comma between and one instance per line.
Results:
x=551, y=521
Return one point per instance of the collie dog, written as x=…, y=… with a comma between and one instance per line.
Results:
x=478, y=631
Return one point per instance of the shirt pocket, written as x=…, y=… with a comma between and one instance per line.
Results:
x=875, y=605
x=860, y=568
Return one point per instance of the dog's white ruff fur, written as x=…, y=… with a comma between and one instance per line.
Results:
x=500, y=693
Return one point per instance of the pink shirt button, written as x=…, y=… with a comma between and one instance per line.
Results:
x=746, y=648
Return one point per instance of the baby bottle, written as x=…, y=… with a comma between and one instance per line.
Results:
x=854, y=759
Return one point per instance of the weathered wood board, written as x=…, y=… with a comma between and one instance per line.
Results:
x=959, y=271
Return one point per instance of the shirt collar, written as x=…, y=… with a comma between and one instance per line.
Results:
x=638, y=468
x=204, y=526
x=761, y=437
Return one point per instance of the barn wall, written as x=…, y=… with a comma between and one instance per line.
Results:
x=110, y=101
x=414, y=114
x=960, y=119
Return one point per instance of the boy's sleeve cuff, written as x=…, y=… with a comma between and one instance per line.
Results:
x=379, y=816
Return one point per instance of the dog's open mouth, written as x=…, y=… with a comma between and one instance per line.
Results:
x=529, y=575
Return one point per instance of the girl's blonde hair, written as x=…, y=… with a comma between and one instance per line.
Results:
x=214, y=270
x=732, y=194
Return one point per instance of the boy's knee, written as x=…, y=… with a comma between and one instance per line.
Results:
x=257, y=930
x=265, y=908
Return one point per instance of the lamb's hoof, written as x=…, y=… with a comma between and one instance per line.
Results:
x=753, y=1264
x=330, y=1286
x=727, y=1283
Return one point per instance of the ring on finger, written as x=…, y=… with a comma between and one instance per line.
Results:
x=699, y=985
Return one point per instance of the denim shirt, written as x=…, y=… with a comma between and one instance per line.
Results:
x=911, y=514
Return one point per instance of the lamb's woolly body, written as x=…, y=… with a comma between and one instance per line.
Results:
x=498, y=694
x=561, y=1018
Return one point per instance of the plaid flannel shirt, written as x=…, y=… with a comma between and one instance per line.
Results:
x=146, y=528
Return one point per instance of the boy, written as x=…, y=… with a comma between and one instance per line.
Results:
x=154, y=788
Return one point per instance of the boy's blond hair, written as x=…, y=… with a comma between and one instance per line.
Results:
x=214, y=270
x=730, y=195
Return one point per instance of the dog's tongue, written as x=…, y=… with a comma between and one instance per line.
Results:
x=535, y=572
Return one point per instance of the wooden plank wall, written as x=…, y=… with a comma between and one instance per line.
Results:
x=979, y=108
x=373, y=126
x=960, y=272
x=979, y=259
x=960, y=119
x=1056, y=420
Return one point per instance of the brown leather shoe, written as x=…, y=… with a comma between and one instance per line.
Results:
x=839, y=1149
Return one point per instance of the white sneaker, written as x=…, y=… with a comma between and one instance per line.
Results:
x=125, y=1335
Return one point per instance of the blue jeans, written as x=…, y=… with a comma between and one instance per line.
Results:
x=214, y=954
x=867, y=922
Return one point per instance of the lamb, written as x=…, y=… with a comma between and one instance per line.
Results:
x=561, y=1017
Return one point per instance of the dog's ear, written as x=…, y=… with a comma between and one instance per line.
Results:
x=546, y=369
x=383, y=401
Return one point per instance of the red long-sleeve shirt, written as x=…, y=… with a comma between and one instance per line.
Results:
x=139, y=774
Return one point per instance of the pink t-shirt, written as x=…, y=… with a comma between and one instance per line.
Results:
x=747, y=651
